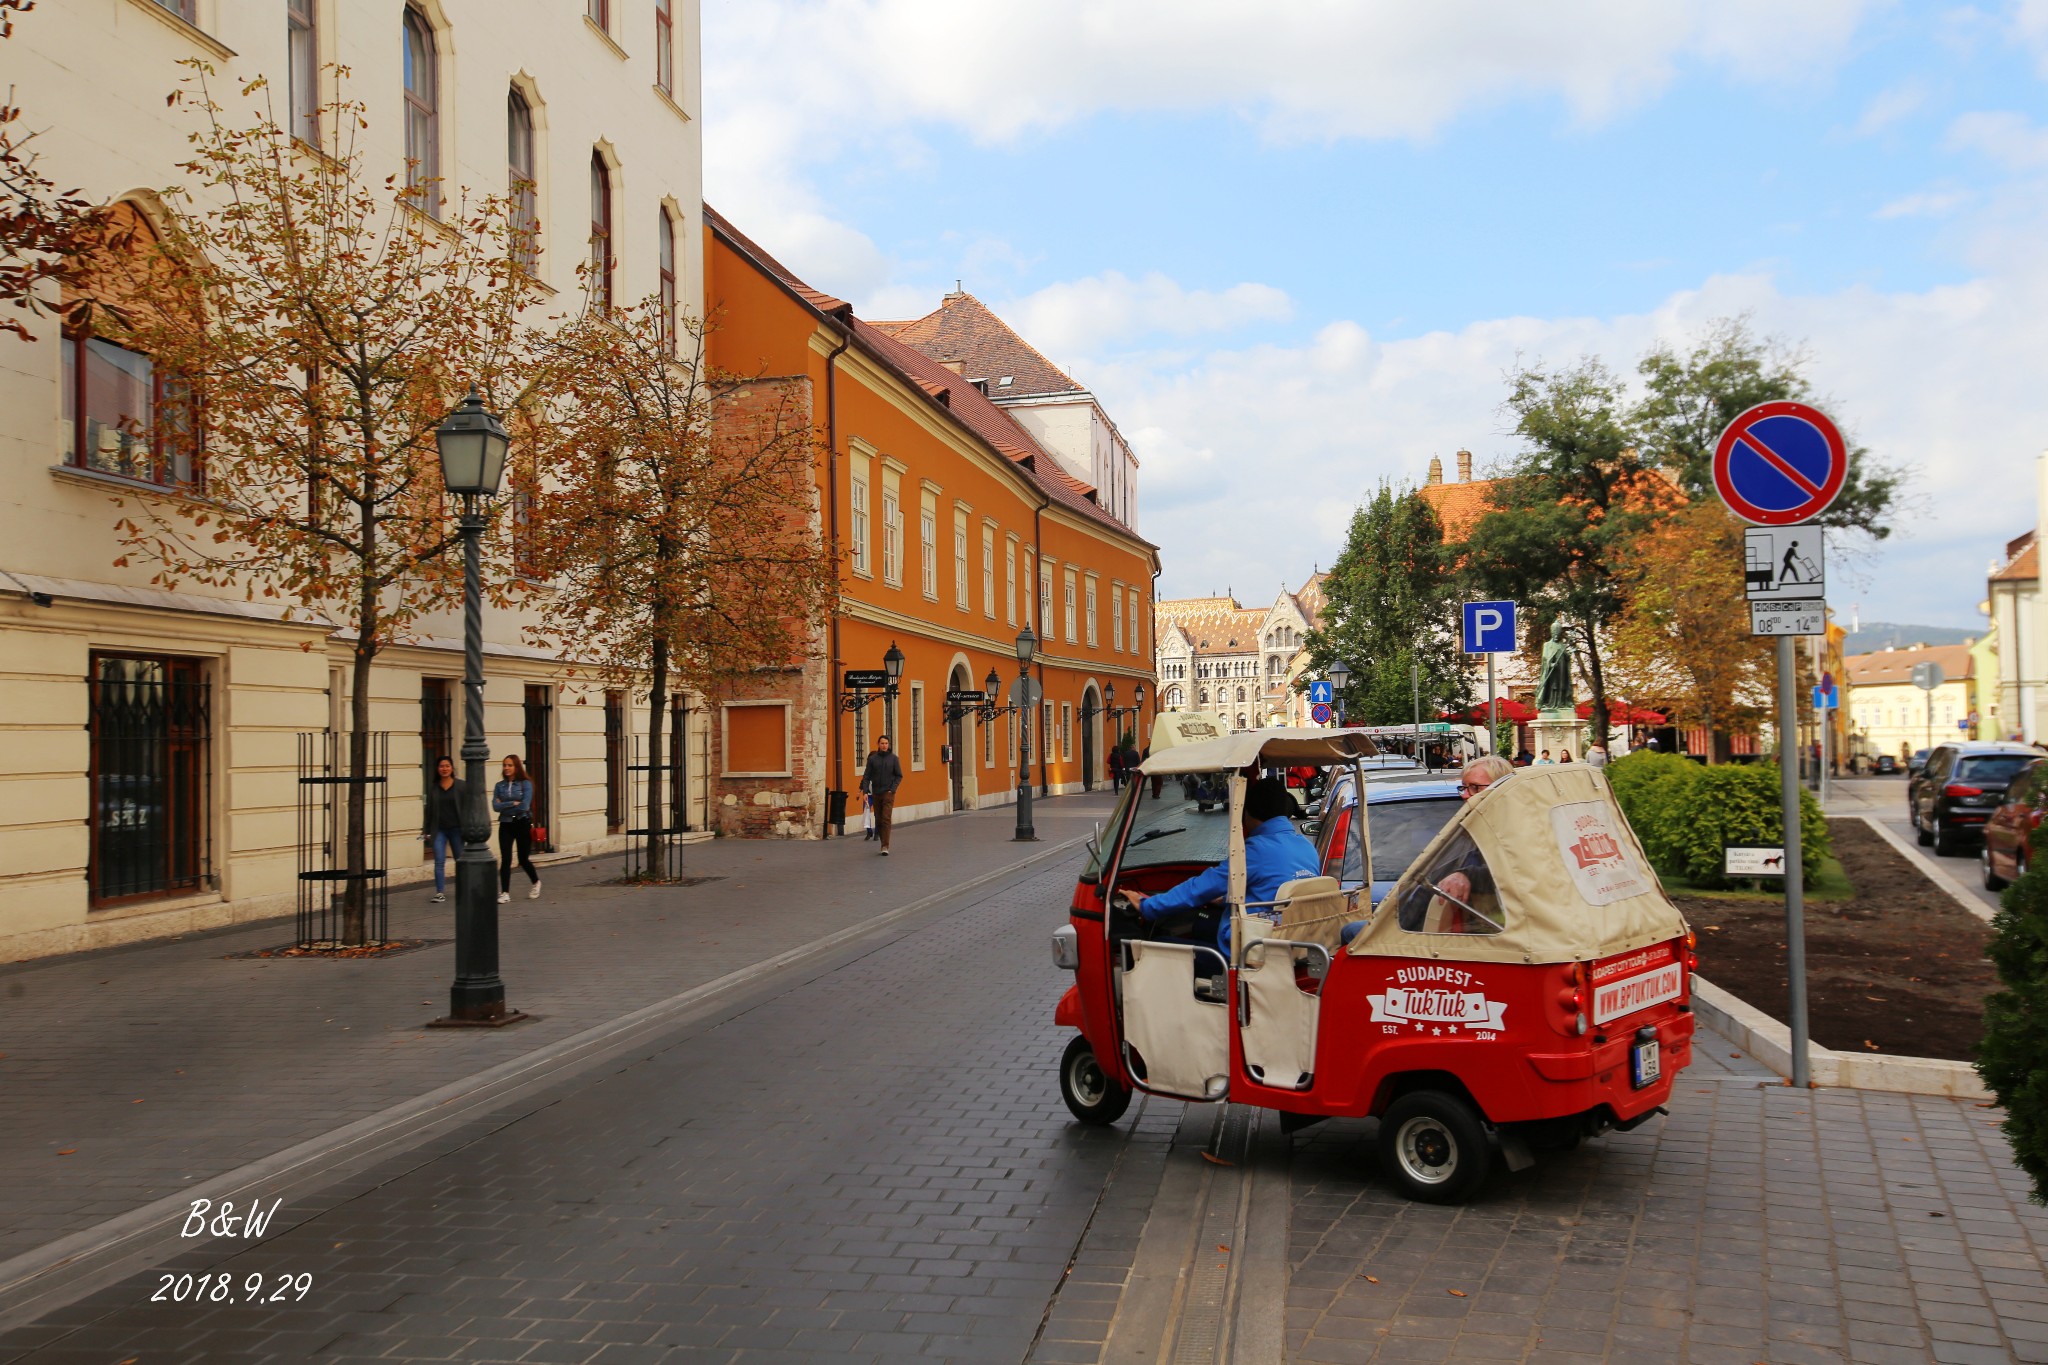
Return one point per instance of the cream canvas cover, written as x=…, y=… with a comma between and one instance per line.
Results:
x=1279, y=746
x=1572, y=881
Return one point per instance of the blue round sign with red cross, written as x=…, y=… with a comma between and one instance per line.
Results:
x=1780, y=464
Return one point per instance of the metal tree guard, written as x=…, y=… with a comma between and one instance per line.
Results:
x=665, y=770
x=324, y=786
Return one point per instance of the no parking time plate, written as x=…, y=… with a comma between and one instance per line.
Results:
x=1800, y=616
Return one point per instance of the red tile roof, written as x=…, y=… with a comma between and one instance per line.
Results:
x=963, y=330
x=1459, y=506
x=1896, y=665
x=2023, y=567
x=962, y=399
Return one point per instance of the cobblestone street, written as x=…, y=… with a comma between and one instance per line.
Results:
x=865, y=1156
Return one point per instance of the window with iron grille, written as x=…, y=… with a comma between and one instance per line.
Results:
x=437, y=726
x=614, y=761
x=917, y=725
x=151, y=744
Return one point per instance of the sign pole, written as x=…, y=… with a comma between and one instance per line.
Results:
x=1795, y=867
x=1492, y=712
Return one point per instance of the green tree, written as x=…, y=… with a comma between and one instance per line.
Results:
x=1691, y=395
x=1563, y=519
x=1391, y=602
x=2013, y=1059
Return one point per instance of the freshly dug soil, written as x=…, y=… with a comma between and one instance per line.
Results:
x=1899, y=968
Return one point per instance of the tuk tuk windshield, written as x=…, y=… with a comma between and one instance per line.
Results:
x=1188, y=822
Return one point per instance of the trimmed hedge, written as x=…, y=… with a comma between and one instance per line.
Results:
x=1649, y=786
x=2013, y=1059
x=1686, y=814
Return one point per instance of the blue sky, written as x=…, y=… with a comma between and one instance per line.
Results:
x=1297, y=255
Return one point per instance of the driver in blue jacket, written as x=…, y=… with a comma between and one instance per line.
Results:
x=1275, y=853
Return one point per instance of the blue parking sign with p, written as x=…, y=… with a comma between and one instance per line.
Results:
x=1489, y=627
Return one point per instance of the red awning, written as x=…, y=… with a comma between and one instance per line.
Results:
x=1512, y=711
x=1621, y=713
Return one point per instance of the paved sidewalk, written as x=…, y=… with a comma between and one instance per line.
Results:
x=128, y=1074
x=1755, y=1223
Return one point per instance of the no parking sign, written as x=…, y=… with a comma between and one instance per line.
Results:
x=1780, y=464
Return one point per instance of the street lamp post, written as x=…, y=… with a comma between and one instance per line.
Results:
x=1340, y=674
x=892, y=665
x=1027, y=645
x=472, y=444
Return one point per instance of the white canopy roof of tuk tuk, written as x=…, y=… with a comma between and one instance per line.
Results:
x=1183, y=752
x=1572, y=879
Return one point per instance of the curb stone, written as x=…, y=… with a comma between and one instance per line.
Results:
x=1936, y=873
x=1770, y=1043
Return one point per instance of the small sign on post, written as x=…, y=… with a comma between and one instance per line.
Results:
x=864, y=679
x=1752, y=860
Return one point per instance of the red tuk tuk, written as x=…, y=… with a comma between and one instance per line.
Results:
x=1526, y=981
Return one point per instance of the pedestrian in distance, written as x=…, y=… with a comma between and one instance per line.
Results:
x=512, y=799
x=878, y=782
x=1564, y=755
x=1596, y=757
x=1544, y=760
x=441, y=824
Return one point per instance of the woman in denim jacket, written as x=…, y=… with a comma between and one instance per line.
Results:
x=512, y=799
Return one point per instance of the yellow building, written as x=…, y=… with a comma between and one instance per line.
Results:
x=148, y=739
x=1888, y=714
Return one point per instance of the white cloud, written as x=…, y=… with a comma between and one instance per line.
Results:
x=1082, y=316
x=1253, y=458
x=1926, y=204
x=2007, y=138
x=2030, y=21
x=795, y=84
x=1889, y=106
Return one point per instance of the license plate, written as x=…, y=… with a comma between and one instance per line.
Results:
x=1645, y=1064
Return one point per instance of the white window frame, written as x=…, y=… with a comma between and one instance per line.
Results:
x=960, y=522
x=1010, y=578
x=1067, y=581
x=1044, y=596
x=1090, y=595
x=892, y=538
x=917, y=727
x=988, y=570
x=928, y=542
x=1116, y=618
x=860, y=468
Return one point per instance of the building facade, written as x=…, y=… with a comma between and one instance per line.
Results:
x=955, y=528
x=2013, y=605
x=1888, y=714
x=1240, y=664
x=148, y=737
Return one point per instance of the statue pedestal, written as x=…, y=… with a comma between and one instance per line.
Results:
x=1559, y=728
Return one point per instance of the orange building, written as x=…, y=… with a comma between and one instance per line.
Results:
x=953, y=528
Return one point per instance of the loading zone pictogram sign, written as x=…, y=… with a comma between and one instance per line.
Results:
x=1780, y=464
x=1782, y=562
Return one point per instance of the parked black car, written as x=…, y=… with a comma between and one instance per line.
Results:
x=1887, y=766
x=1956, y=791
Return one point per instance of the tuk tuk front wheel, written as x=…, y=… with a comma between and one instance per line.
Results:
x=1434, y=1147
x=1090, y=1092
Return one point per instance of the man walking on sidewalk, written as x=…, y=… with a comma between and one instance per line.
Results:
x=879, y=779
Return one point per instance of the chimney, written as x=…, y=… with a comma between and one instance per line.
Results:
x=955, y=366
x=1464, y=466
x=1436, y=470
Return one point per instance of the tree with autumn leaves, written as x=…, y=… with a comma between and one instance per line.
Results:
x=319, y=324
x=674, y=531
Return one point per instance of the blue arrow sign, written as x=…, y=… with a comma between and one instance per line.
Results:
x=1320, y=694
x=1489, y=627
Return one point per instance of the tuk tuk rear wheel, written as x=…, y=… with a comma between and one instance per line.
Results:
x=1090, y=1092
x=1433, y=1146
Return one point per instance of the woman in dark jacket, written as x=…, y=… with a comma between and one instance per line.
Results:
x=442, y=825
x=512, y=799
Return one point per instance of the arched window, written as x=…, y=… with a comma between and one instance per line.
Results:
x=668, y=275
x=422, y=110
x=1240, y=698
x=1205, y=697
x=521, y=177
x=602, y=256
